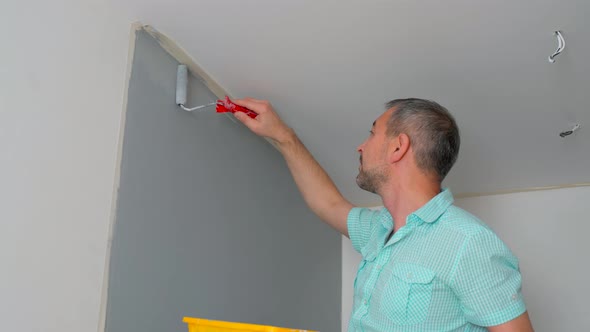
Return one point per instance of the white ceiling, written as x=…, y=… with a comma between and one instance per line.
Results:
x=329, y=66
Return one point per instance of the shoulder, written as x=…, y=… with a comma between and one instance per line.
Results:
x=457, y=228
x=461, y=222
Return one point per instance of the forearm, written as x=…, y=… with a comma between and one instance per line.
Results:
x=318, y=190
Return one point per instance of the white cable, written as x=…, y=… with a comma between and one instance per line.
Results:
x=570, y=131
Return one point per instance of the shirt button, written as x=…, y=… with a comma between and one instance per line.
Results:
x=379, y=267
x=410, y=276
x=365, y=302
x=514, y=296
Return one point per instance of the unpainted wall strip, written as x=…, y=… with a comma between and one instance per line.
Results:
x=136, y=26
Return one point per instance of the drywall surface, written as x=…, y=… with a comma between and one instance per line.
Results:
x=62, y=79
x=330, y=77
x=209, y=222
x=547, y=231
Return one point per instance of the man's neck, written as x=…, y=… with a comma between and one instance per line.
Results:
x=403, y=199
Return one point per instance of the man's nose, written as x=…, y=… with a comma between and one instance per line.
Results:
x=359, y=149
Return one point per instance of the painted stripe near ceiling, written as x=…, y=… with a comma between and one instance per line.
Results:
x=182, y=56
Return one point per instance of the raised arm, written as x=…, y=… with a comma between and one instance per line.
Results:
x=318, y=190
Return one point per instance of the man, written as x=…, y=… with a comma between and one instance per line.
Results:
x=427, y=265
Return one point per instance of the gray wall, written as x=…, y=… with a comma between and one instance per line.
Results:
x=209, y=222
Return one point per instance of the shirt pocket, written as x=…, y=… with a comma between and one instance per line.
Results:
x=408, y=293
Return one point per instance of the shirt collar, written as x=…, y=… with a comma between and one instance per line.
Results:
x=386, y=218
x=431, y=211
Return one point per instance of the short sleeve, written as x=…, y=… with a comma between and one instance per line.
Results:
x=361, y=222
x=487, y=281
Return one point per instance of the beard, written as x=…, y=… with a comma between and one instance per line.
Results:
x=371, y=180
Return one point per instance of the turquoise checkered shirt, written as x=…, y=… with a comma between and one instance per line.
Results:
x=445, y=270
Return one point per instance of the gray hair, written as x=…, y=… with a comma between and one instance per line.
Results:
x=433, y=133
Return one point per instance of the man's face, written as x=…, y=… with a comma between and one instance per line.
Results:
x=373, y=163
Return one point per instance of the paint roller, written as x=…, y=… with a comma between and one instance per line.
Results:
x=181, y=88
x=223, y=106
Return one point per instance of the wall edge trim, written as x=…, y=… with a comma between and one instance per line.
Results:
x=135, y=26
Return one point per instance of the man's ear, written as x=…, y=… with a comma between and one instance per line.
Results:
x=398, y=148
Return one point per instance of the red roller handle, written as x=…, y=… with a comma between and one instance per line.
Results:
x=227, y=105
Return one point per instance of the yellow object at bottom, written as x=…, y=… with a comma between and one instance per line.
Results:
x=205, y=325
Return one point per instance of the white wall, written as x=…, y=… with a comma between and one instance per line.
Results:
x=548, y=232
x=62, y=76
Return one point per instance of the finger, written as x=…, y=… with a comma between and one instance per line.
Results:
x=258, y=106
x=245, y=119
x=250, y=103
